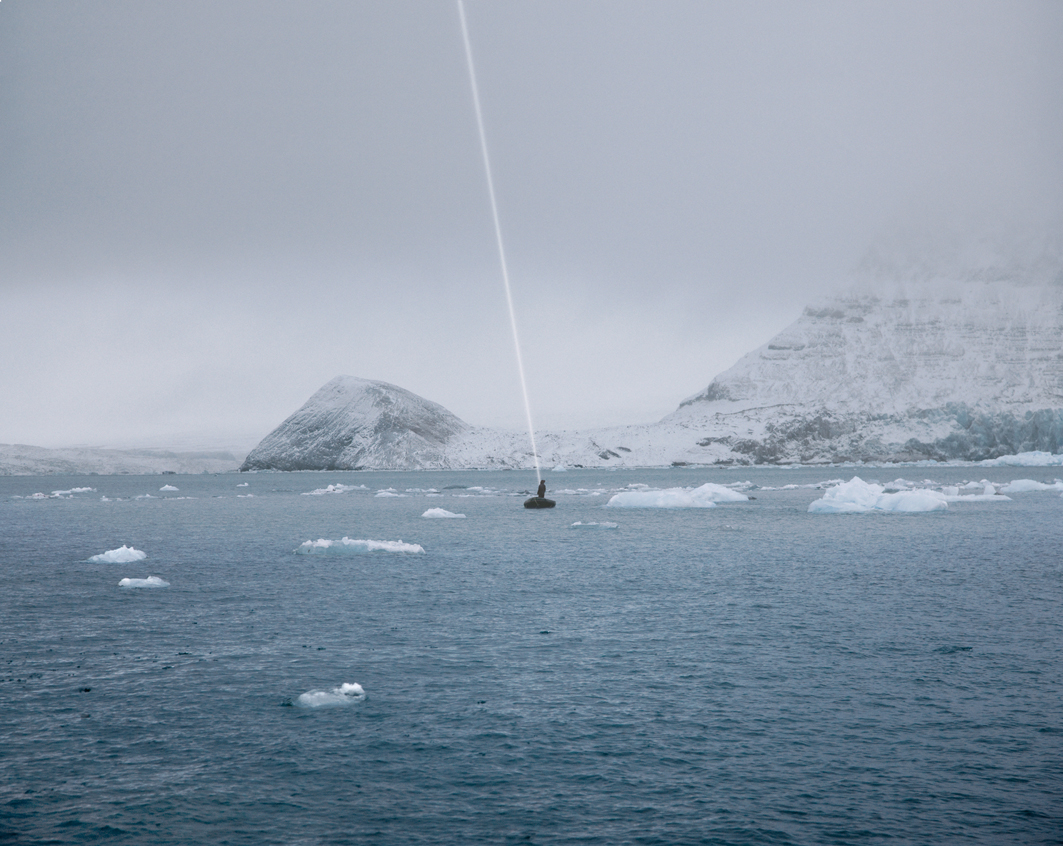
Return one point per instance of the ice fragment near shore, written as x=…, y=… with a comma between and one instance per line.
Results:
x=441, y=512
x=704, y=497
x=1029, y=485
x=334, y=489
x=345, y=546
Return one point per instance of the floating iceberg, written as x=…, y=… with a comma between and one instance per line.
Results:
x=441, y=512
x=167, y=488
x=345, y=694
x=989, y=494
x=334, y=489
x=58, y=494
x=123, y=555
x=346, y=546
x=704, y=497
x=857, y=497
x=149, y=582
x=388, y=492
x=604, y=525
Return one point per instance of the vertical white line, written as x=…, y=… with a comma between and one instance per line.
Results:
x=498, y=235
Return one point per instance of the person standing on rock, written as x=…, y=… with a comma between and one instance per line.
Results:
x=541, y=493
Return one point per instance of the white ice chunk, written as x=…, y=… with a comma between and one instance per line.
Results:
x=857, y=497
x=1028, y=485
x=389, y=492
x=344, y=546
x=149, y=582
x=167, y=488
x=345, y=694
x=123, y=555
x=704, y=497
x=441, y=512
x=334, y=489
x=603, y=525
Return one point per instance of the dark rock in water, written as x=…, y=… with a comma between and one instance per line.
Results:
x=539, y=502
x=359, y=424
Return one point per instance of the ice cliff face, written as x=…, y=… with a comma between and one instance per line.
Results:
x=359, y=424
x=962, y=367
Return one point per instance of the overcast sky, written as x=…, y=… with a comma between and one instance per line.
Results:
x=209, y=209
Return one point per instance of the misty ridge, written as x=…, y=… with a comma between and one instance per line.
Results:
x=951, y=353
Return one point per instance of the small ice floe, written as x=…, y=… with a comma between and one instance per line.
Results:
x=1029, y=485
x=334, y=489
x=123, y=555
x=388, y=492
x=149, y=582
x=59, y=494
x=242, y=485
x=168, y=488
x=603, y=525
x=704, y=497
x=988, y=493
x=441, y=512
x=348, y=546
x=858, y=497
x=560, y=468
x=345, y=694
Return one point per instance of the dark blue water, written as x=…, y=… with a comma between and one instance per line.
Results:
x=745, y=674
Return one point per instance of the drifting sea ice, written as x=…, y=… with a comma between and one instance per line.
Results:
x=347, y=546
x=704, y=497
x=58, y=494
x=149, y=582
x=441, y=512
x=334, y=489
x=123, y=555
x=859, y=497
x=168, y=488
x=603, y=525
x=1029, y=485
x=345, y=694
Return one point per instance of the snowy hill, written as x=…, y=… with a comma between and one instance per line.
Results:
x=359, y=424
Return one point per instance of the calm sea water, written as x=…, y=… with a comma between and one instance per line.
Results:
x=746, y=674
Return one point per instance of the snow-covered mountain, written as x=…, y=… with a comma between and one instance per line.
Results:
x=958, y=366
x=359, y=424
x=961, y=370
